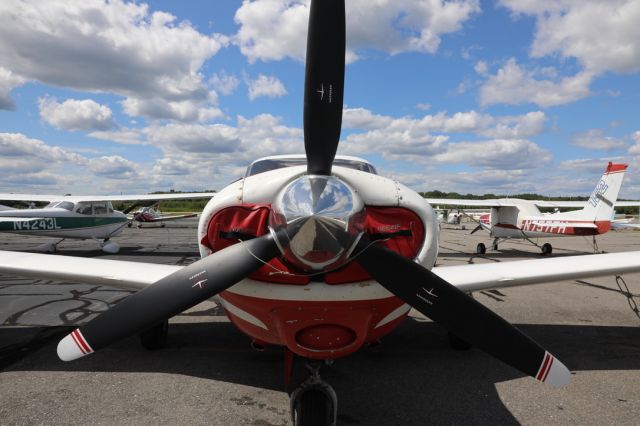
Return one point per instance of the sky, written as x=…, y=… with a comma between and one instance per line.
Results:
x=504, y=97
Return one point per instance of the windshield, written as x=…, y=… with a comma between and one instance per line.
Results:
x=269, y=164
x=67, y=205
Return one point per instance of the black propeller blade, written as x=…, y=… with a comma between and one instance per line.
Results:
x=324, y=84
x=169, y=296
x=476, y=229
x=460, y=314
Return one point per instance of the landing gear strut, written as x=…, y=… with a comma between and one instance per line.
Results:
x=314, y=402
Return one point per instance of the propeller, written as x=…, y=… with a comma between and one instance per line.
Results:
x=324, y=84
x=460, y=314
x=476, y=229
x=169, y=296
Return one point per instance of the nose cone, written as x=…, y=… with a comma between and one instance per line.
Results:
x=321, y=216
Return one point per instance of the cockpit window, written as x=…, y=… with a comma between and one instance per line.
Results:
x=269, y=164
x=83, y=208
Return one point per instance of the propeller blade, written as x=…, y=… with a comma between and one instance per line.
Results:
x=169, y=296
x=461, y=314
x=324, y=84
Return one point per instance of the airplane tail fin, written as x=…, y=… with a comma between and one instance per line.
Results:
x=600, y=203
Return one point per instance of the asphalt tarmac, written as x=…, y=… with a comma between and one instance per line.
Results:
x=208, y=374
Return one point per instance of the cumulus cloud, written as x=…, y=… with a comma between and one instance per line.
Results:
x=98, y=46
x=224, y=83
x=17, y=145
x=514, y=85
x=74, y=114
x=635, y=149
x=275, y=29
x=268, y=86
x=8, y=81
x=496, y=154
x=113, y=167
x=517, y=126
x=194, y=138
x=602, y=35
x=158, y=108
x=597, y=140
x=123, y=136
x=31, y=163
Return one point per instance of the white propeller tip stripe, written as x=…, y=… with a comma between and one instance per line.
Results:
x=70, y=348
x=553, y=372
x=559, y=376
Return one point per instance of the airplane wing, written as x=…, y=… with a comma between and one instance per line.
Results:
x=79, y=198
x=487, y=276
x=468, y=278
x=470, y=203
x=505, y=202
x=113, y=273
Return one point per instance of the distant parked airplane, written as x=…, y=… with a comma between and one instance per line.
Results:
x=83, y=217
x=152, y=214
x=521, y=219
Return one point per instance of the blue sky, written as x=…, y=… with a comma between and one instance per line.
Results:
x=469, y=96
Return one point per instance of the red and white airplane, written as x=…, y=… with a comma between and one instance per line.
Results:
x=152, y=214
x=513, y=218
x=319, y=257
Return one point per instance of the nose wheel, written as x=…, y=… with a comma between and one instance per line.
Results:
x=314, y=402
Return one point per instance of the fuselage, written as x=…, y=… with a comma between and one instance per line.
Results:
x=328, y=314
x=81, y=220
x=526, y=221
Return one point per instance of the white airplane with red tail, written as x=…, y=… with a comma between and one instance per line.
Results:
x=318, y=258
x=513, y=218
x=152, y=214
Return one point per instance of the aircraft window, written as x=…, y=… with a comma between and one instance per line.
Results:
x=100, y=208
x=109, y=207
x=67, y=205
x=83, y=208
x=274, y=164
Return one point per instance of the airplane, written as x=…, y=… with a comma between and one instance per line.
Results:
x=152, y=214
x=79, y=217
x=513, y=218
x=319, y=258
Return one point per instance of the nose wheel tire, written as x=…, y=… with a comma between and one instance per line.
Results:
x=314, y=402
x=481, y=248
x=155, y=337
x=546, y=249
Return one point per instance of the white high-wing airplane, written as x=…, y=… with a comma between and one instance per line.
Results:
x=319, y=257
x=80, y=217
x=152, y=214
x=513, y=218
